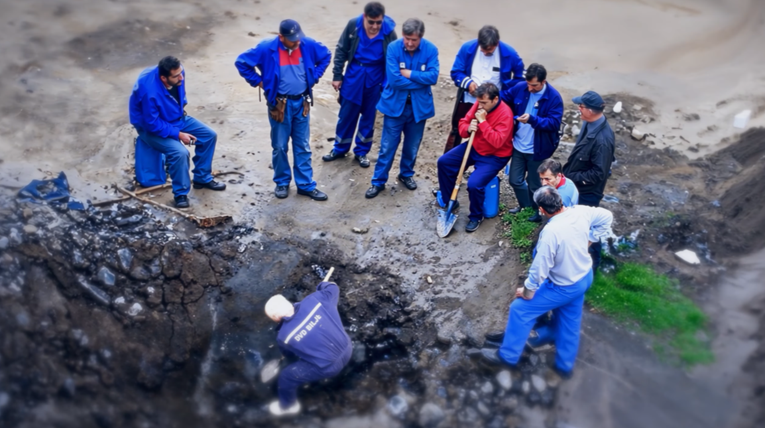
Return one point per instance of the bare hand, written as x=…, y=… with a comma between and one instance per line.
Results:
x=524, y=118
x=480, y=115
x=186, y=138
x=337, y=84
x=471, y=89
x=524, y=293
x=406, y=73
x=473, y=126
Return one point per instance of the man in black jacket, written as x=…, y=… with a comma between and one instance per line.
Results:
x=589, y=164
x=363, y=45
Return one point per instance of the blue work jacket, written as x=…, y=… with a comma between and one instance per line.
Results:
x=510, y=65
x=265, y=56
x=152, y=109
x=424, y=66
x=546, y=122
x=357, y=75
x=315, y=332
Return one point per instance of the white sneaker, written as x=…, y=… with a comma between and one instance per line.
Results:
x=276, y=409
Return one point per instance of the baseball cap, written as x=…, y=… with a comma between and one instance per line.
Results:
x=291, y=31
x=590, y=99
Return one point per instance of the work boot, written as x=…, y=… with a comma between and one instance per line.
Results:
x=212, y=185
x=495, y=335
x=536, y=218
x=472, y=225
x=363, y=161
x=373, y=191
x=181, y=201
x=515, y=210
x=408, y=182
x=491, y=356
x=333, y=155
x=276, y=409
x=315, y=194
x=281, y=192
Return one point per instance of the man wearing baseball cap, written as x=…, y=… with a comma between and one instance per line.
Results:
x=589, y=163
x=289, y=66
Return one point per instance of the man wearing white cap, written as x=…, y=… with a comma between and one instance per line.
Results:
x=312, y=331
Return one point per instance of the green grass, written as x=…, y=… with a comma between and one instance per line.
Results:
x=521, y=230
x=638, y=294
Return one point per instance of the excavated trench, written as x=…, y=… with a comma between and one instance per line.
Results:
x=124, y=317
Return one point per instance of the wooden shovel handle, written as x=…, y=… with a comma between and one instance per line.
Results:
x=326, y=278
x=462, y=167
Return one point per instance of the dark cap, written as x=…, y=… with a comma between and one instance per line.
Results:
x=591, y=100
x=291, y=31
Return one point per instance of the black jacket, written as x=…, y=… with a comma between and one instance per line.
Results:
x=589, y=164
x=349, y=41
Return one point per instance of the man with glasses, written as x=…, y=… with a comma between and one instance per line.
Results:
x=157, y=113
x=411, y=68
x=363, y=46
x=482, y=60
x=589, y=164
x=538, y=109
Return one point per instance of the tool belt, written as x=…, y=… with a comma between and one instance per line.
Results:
x=277, y=111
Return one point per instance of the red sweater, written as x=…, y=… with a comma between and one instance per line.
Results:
x=495, y=134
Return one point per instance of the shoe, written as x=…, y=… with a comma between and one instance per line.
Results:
x=496, y=335
x=374, y=191
x=536, y=218
x=281, y=192
x=515, y=210
x=333, y=155
x=276, y=409
x=472, y=226
x=491, y=356
x=562, y=374
x=408, y=182
x=473, y=353
x=182, y=201
x=315, y=194
x=363, y=161
x=212, y=185
x=492, y=344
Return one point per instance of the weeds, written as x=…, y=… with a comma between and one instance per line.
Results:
x=637, y=293
x=520, y=232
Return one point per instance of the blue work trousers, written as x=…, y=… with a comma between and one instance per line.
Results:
x=301, y=372
x=297, y=127
x=391, y=137
x=566, y=304
x=486, y=168
x=177, y=154
x=524, y=178
x=592, y=200
x=348, y=118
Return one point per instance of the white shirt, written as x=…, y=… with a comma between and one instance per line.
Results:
x=482, y=71
x=562, y=254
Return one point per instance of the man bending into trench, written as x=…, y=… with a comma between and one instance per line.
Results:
x=312, y=331
x=558, y=278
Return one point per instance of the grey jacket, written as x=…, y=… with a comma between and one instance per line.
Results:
x=349, y=41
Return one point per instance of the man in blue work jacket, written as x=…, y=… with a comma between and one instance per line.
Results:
x=538, y=110
x=407, y=102
x=289, y=65
x=313, y=332
x=157, y=113
x=363, y=46
x=482, y=60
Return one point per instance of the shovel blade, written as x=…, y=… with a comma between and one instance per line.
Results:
x=446, y=220
x=269, y=371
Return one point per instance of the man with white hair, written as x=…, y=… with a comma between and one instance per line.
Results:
x=312, y=331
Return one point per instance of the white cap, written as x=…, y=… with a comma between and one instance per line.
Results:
x=279, y=307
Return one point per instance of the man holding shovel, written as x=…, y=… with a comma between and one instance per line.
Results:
x=312, y=331
x=492, y=122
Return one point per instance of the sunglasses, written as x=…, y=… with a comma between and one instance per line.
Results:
x=370, y=22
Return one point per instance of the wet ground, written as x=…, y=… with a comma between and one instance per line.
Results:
x=73, y=355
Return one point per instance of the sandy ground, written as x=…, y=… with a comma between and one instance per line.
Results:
x=68, y=68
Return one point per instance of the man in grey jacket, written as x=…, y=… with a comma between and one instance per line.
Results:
x=363, y=46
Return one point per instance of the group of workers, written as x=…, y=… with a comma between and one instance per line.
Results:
x=514, y=113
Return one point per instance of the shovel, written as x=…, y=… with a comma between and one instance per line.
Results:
x=271, y=368
x=446, y=218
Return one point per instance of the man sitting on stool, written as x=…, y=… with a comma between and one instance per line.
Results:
x=492, y=121
x=312, y=331
x=157, y=113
